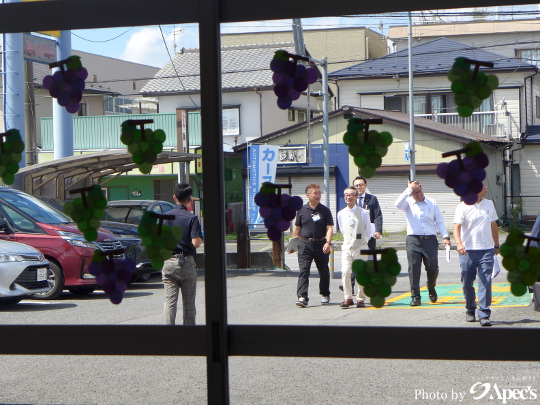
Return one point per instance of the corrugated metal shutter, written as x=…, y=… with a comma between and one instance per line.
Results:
x=388, y=188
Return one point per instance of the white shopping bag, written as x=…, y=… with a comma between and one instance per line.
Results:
x=496, y=266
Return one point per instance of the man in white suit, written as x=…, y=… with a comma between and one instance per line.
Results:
x=355, y=226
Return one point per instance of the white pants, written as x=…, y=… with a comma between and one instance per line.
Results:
x=347, y=257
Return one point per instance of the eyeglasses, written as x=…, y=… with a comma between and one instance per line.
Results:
x=349, y=195
x=360, y=184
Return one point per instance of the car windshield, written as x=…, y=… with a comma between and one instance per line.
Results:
x=131, y=215
x=34, y=208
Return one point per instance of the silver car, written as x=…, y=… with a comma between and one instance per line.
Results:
x=23, y=272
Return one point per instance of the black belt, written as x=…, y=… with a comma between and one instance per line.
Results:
x=423, y=236
x=312, y=239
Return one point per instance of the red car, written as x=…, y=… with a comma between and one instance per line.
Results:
x=26, y=219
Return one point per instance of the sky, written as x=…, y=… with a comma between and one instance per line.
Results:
x=154, y=45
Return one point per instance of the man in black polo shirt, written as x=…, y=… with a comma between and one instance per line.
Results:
x=179, y=272
x=314, y=227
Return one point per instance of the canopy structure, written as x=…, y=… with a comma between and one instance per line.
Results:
x=62, y=174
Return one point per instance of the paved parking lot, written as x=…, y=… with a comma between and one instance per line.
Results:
x=267, y=298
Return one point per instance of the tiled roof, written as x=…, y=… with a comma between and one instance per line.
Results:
x=394, y=117
x=244, y=66
x=433, y=57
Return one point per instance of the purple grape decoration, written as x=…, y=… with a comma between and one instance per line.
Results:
x=465, y=175
x=278, y=210
x=67, y=84
x=112, y=275
x=290, y=78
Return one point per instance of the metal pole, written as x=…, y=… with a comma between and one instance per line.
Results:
x=14, y=84
x=217, y=360
x=326, y=146
x=411, y=106
x=62, y=120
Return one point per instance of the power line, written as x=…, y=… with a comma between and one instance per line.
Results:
x=105, y=40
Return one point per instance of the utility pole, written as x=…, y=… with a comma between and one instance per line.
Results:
x=300, y=49
x=411, y=106
x=29, y=114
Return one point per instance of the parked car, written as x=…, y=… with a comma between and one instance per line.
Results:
x=131, y=211
x=23, y=272
x=28, y=220
x=127, y=234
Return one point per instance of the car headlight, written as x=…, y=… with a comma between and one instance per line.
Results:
x=7, y=257
x=76, y=239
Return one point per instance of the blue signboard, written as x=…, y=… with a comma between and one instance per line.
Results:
x=263, y=161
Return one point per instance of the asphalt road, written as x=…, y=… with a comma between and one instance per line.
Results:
x=268, y=298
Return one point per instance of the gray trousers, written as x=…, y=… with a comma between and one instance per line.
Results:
x=422, y=249
x=175, y=279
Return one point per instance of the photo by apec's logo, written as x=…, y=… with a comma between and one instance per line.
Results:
x=482, y=392
x=489, y=391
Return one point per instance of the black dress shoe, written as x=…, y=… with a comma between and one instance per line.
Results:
x=433, y=295
x=415, y=302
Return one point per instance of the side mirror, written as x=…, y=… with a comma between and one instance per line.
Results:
x=4, y=226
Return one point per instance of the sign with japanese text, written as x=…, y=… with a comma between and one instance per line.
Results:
x=263, y=160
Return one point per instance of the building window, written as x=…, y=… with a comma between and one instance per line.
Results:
x=423, y=104
x=291, y=114
x=529, y=55
x=537, y=107
x=231, y=121
x=83, y=110
x=118, y=105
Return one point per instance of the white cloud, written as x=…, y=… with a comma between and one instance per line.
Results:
x=147, y=47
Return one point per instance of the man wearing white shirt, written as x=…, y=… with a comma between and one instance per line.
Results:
x=424, y=219
x=477, y=241
x=355, y=225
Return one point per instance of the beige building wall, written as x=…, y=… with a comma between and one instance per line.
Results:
x=342, y=46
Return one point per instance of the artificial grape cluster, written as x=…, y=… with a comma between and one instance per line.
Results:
x=11, y=149
x=470, y=88
x=522, y=262
x=465, y=175
x=67, y=85
x=367, y=150
x=278, y=210
x=290, y=79
x=112, y=276
x=87, y=211
x=378, y=277
x=144, y=149
x=158, y=239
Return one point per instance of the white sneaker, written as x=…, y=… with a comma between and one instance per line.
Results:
x=325, y=299
x=302, y=302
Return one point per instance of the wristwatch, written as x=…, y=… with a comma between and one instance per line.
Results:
x=496, y=247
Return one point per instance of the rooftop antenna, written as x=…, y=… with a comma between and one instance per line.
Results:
x=176, y=32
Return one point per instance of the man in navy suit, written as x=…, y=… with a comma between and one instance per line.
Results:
x=370, y=203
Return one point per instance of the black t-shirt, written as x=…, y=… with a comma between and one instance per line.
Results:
x=190, y=225
x=314, y=221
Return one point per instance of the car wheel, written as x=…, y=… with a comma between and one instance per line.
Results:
x=55, y=277
x=11, y=300
x=82, y=290
x=143, y=278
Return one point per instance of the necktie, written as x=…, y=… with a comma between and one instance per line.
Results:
x=361, y=201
